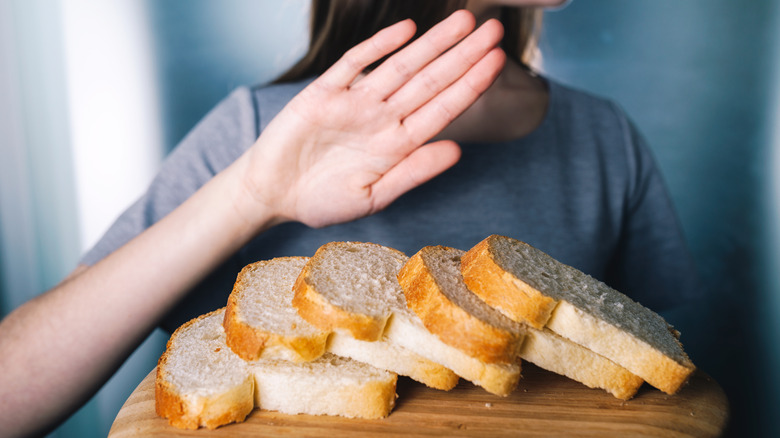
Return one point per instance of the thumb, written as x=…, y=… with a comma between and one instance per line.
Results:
x=423, y=164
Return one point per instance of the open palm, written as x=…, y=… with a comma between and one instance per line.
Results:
x=349, y=144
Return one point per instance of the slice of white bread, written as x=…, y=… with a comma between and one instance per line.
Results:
x=328, y=385
x=434, y=290
x=200, y=381
x=350, y=289
x=433, y=284
x=260, y=321
x=528, y=285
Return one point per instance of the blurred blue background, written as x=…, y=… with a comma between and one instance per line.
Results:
x=94, y=94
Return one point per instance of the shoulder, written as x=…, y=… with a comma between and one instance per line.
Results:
x=219, y=137
x=270, y=99
x=230, y=128
x=237, y=120
x=580, y=106
x=596, y=125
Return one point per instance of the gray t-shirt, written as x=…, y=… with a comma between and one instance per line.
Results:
x=582, y=187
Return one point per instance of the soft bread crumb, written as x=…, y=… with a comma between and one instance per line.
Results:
x=199, y=382
x=367, y=271
x=264, y=293
x=197, y=362
x=329, y=385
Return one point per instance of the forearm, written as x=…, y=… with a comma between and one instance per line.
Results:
x=58, y=349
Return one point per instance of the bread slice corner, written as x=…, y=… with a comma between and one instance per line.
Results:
x=189, y=391
x=260, y=321
x=350, y=286
x=489, y=273
x=641, y=341
x=434, y=290
x=555, y=353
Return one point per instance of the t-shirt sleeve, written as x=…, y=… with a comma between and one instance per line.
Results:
x=652, y=262
x=211, y=146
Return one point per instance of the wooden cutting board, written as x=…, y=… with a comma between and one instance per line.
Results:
x=544, y=404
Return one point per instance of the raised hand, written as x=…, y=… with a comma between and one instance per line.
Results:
x=350, y=144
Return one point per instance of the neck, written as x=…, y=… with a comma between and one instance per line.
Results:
x=513, y=107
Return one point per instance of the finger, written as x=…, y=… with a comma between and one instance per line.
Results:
x=441, y=73
x=436, y=114
x=402, y=66
x=344, y=71
x=417, y=168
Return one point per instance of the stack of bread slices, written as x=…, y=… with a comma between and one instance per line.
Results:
x=328, y=335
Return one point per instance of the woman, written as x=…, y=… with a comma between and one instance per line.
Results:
x=364, y=150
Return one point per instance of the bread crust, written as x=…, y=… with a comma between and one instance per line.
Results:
x=559, y=355
x=453, y=325
x=511, y=296
x=639, y=357
x=185, y=413
x=318, y=311
x=189, y=412
x=382, y=398
x=250, y=343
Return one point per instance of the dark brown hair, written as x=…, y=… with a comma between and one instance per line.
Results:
x=338, y=25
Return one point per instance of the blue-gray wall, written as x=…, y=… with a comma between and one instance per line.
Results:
x=205, y=48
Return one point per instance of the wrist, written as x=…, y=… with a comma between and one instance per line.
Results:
x=252, y=202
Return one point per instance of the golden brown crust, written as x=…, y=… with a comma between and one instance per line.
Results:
x=500, y=380
x=637, y=356
x=560, y=355
x=502, y=290
x=169, y=404
x=435, y=376
x=659, y=370
x=225, y=409
x=322, y=314
x=245, y=341
x=249, y=342
x=673, y=379
x=453, y=325
x=378, y=400
x=671, y=375
x=623, y=386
